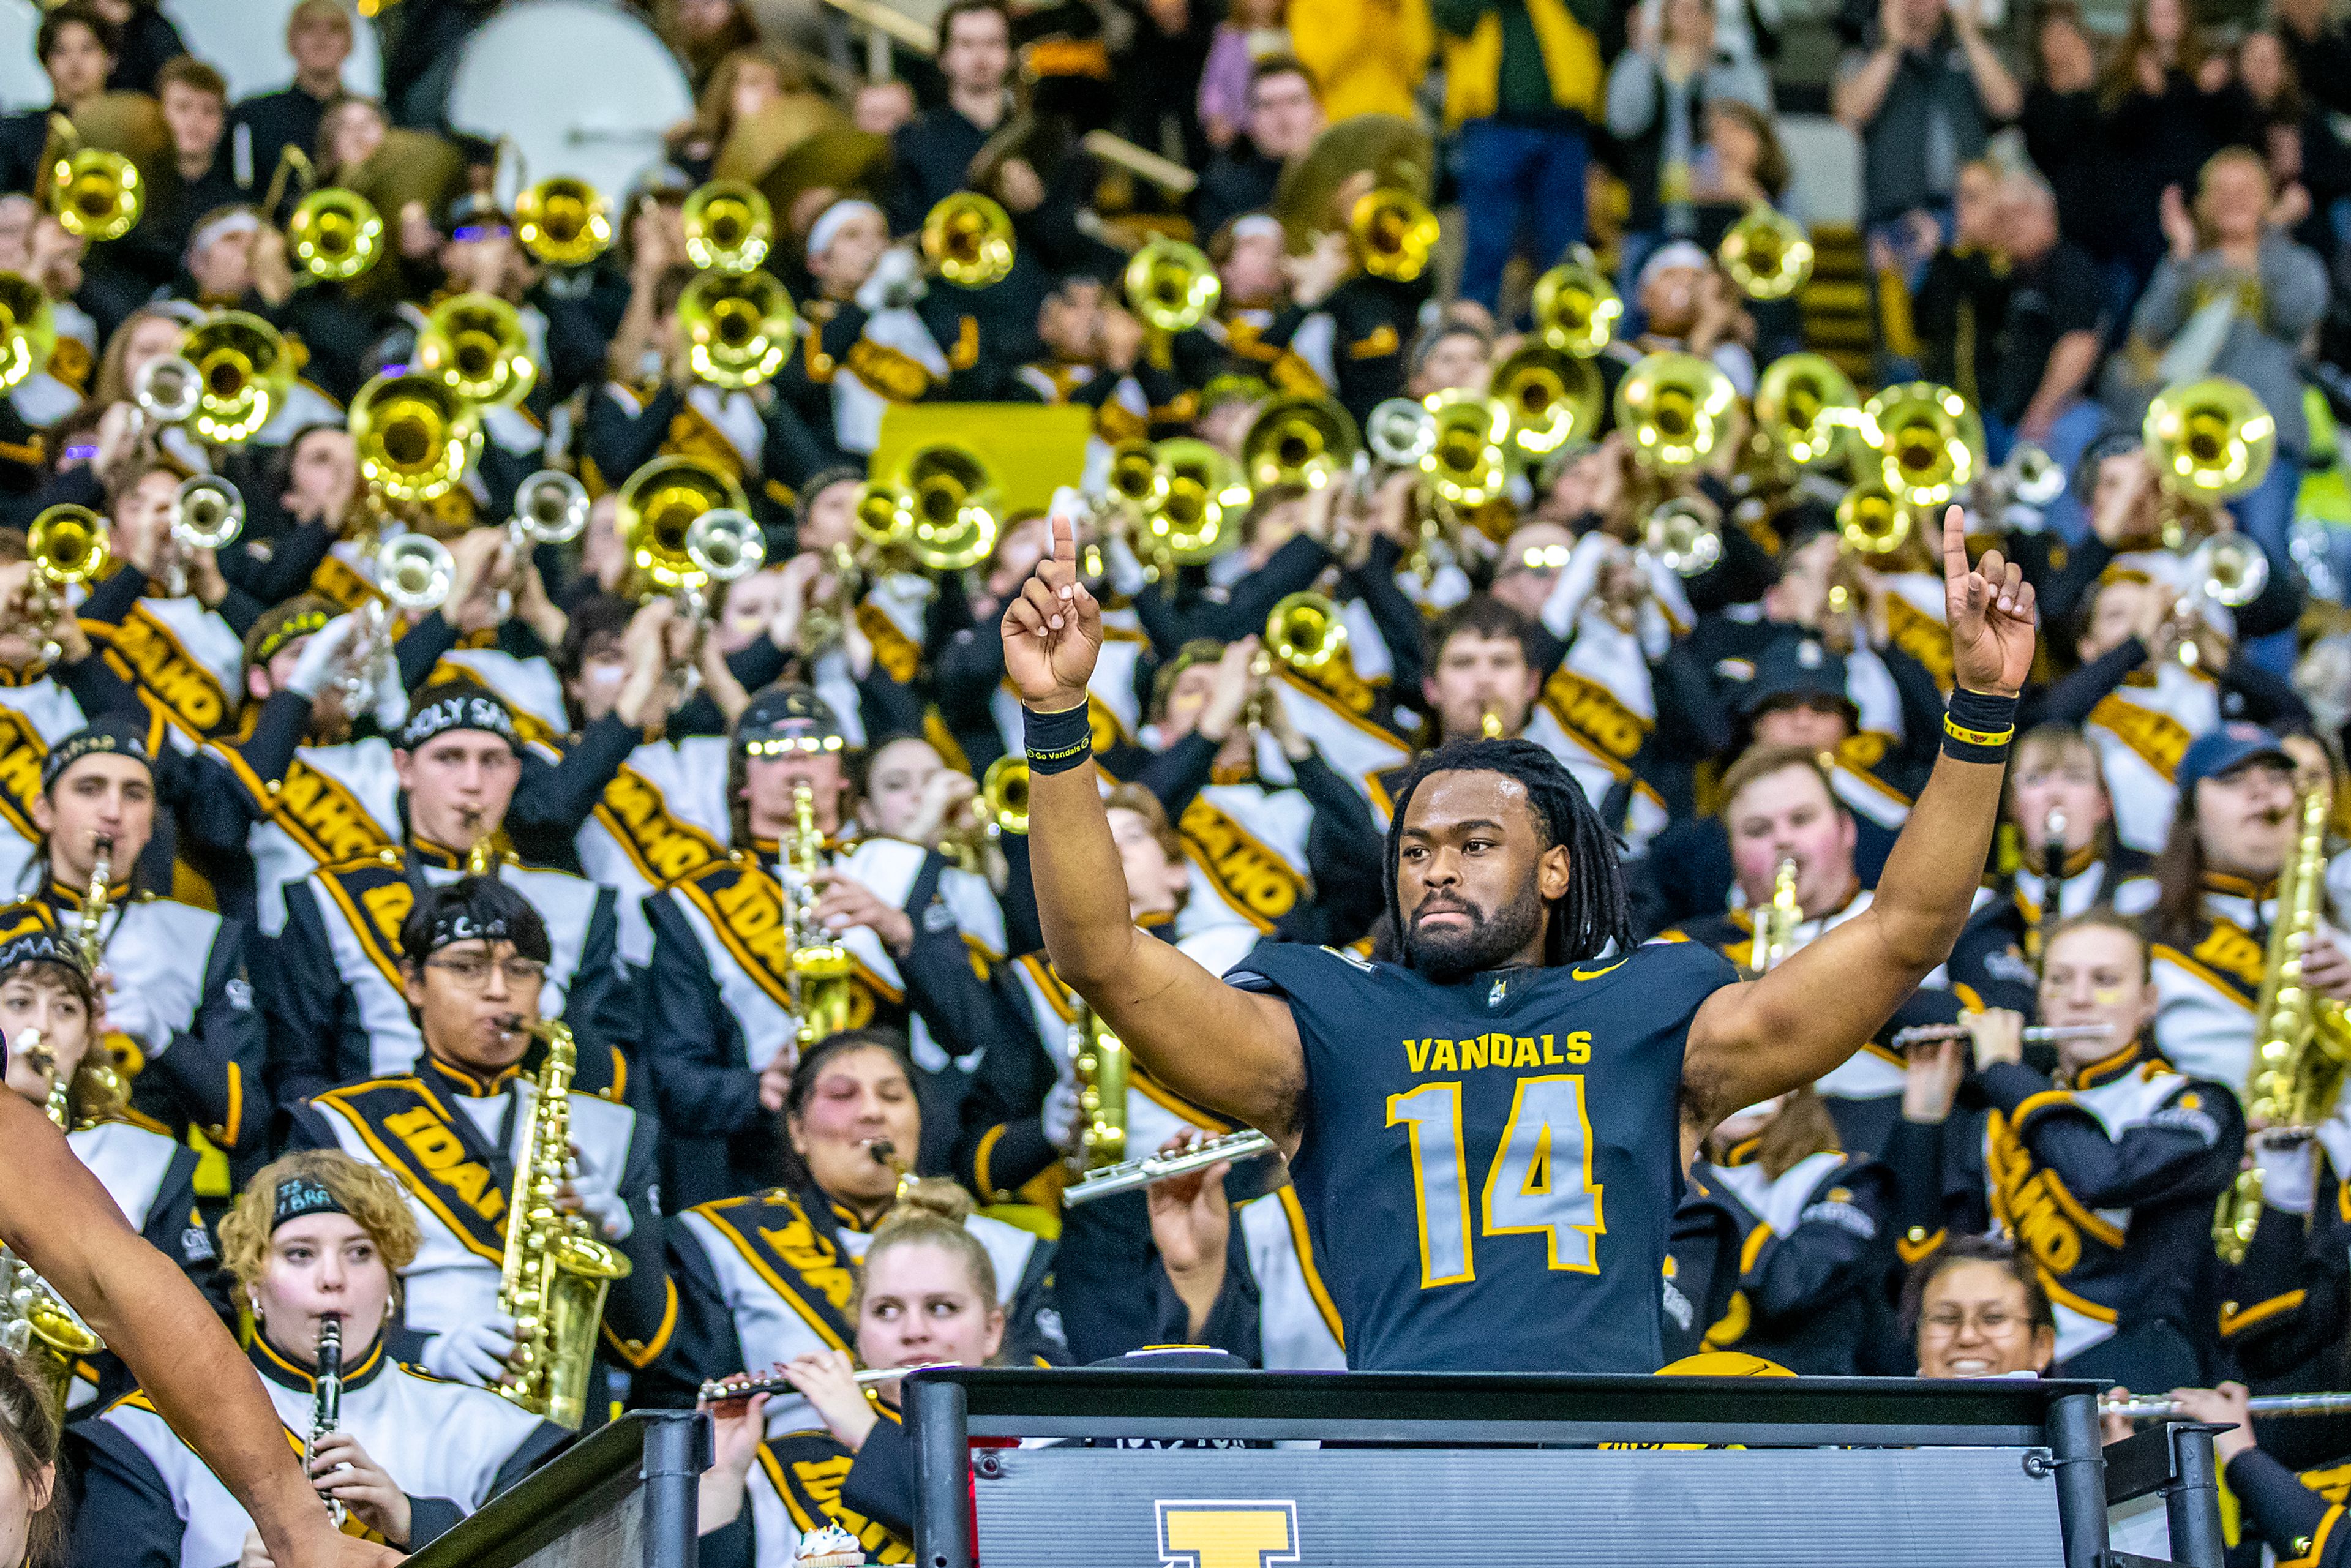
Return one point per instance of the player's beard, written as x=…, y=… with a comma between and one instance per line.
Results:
x=1488, y=942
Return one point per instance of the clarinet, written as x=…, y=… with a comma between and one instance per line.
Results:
x=326, y=1400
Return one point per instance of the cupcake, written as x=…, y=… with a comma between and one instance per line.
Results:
x=828, y=1547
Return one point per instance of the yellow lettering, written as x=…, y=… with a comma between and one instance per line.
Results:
x=813, y=1259
x=1526, y=1054
x=2232, y=951
x=1228, y=1536
x=388, y=906
x=1473, y=1053
x=1251, y=877
x=1588, y=711
x=1416, y=1055
x=433, y=1144
x=1922, y=636
x=1579, y=1047
x=1444, y=1062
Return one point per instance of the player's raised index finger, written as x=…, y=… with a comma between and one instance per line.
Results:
x=1065, y=538
x=1955, y=544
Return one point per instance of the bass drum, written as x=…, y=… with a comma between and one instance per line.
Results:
x=580, y=87
x=245, y=39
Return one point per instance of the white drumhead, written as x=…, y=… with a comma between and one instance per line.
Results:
x=579, y=87
x=23, y=84
x=246, y=41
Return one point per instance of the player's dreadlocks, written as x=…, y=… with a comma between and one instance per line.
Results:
x=1593, y=912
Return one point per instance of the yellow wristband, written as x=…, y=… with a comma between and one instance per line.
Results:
x=1977, y=737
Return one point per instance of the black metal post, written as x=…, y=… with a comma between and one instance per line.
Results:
x=936, y=1408
x=2081, y=1479
x=2192, y=1504
x=678, y=1448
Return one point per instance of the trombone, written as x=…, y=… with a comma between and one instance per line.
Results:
x=739, y=326
x=1467, y=462
x=477, y=345
x=967, y=239
x=1553, y=397
x=1199, y=495
x=414, y=436
x=1675, y=410
x=1766, y=255
x=1172, y=285
x=727, y=228
x=1804, y=405
x=952, y=514
x=685, y=525
x=244, y=373
x=1299, y=439
x=1392, y=233
x=2211, y=441
x=29, y=329
x=563, y=221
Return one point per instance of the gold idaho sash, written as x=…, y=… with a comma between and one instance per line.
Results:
x=2158, y=738
x=799, y=1262
x=143, y=651
x=1591, y=713
x=661, y=847
x=375, y=899
x=745, y=908
x=21, y=752
x=1246, y=873
x=435, y=1155
x=807, y=1470
x=1922, y=636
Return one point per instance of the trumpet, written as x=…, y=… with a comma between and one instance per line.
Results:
x=2038, y=1034
x=1110, y=1180
x=1392, y=233
x=1684, y=533
x=475, y=343
x=563, y=222
x=415, y=436
x=97, y=195
x=1303, y=632
x=207, y=513
x=1004, y=796
x=550, y=507
x=1399, y=432
x=2229, y=569
x=2211, y=441
x=167, y=391
x=413, y=573
x=1172, y=285
x=1871, y=521
x=67, y=545
x=1197, y=502
x=1467, y=462
x=244, y=371
x=1298, y=440
x=1551, y=397
x=685, y=525
x=739, y=326
x=1929, y=442
x=727, y=227
x=28, y=329
x=1804, y=405
x=967, y=239
x=1576, y=308
x=1677, y=409
x=1767, y=253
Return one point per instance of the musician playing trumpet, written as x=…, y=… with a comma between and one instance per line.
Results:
x=316, y=1237
x=2105, y=1175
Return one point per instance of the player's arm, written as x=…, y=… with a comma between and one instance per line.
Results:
x=56, y=1217
x=1223, y=1048
x=1751, y=1041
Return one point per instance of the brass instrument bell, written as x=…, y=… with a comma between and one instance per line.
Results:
x=167, y=388
x=728, y=226
x=1004, y=795
x=550, y=507
x=739, y=326
x=1134, y=473
x=415, y=572
x=335, y=234
x=1392, y=233
x=1553, y=397
x=1804, y=405
x=1197, y=502
x=246, y=373
x=1929, y=442
x=1766, y=255
x=207, y=512
x=1466, y=463
x=67, y=545
x=967, y=239
x=414, y=436
x=660, y=503
x=475, y=343
x=28, y=330
x=1576, y=308
x=2210, y=440
x=563, y=221
x=1684, y=533
x=1399, y=432
x=1675, y=409
x=953, y=509
x=881, y=516
x=725, y=544
x=1172, y=285
x=1303, y=632
x=1299, y=439
x=2229, y=569
x=1871, y=519
x=97, y=195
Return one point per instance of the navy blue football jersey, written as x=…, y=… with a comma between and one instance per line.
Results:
x=1489, y=1169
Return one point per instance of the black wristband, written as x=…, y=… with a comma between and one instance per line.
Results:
x=1056, y=742
x=1978, y=727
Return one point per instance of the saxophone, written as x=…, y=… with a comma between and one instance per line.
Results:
x=1100, y=1061
x=557, y=1269
x=94, y=903
x=819, y=968
x=2301, y=1042
x=326, y=1401
x=34, y=1321
x=1776, y=922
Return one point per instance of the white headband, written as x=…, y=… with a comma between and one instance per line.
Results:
x=821, y=237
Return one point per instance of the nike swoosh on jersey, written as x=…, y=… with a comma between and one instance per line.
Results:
x=1583, y=974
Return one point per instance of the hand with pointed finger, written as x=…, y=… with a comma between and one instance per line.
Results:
x=1989, y=609
x=1052, y=630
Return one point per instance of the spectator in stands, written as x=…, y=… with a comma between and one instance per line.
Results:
x=2315, y=41
x=2251, y=294
x=2166, y=111
x=1523, y=85
x=196, y=108
x=1923, y=100
x=1743, y=166
x=1962, y=297
x=348, y=133
x=1660, y=95
x=144, y=42
x=702, y=33
x=1748, y=30
x=76, y=47
x=1253, y=32
x=934, y=152
x=2060, y=120
x=2050, y=331
x=1285, y=116
x=2310, y=164
x=1368, y=55
x=1688, y=306
x=319, y=37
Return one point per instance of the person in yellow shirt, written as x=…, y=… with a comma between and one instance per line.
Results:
x=1368, y=55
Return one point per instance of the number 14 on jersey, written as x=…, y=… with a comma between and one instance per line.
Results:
x=1537, y=1184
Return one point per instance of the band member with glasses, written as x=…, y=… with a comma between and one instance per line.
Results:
x=1975, y=1307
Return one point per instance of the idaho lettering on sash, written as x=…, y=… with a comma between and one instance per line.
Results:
x=414, y=1137
x=323, y=816
x=143, y=652
x=1588, y=711
x=337, y=581
x=375, y=898
x=776, y=1237
x=2024, y=1201
x=1248, y=875
x=2154, y=734
x=691, y=434
x=664, y=849
x=1337, y=682
x=893, y=648
x=2231, y=956
x=1922, y=636
x=21, y=752
x=895, y=376
x=808, y=1469
x=746, y=908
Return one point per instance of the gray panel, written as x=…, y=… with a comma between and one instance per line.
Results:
x=614, y=1538
x=1106, y=1507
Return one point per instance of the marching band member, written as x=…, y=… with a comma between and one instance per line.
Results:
x=2106, y=1177
x=926, y=1294
x=316, y=1238
x=1813, y=1225
x=32, y=1512
x=763, y=1279
x=1975, y=1307
x=46, y=997
x=2231, y=832
x=725, y=1003
x=2297, y=1517
x=1780, y=811
x=474, y=955
x=335, y=992
x=180, y=1018
x=1249, y=1288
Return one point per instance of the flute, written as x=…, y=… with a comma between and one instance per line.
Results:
x=2262, y=1405
x=2039, y=1034
x=738, y=1387
x=1132, y=1174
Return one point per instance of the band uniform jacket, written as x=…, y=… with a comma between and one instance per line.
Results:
x=34, y=715
x=2284, y=1308
x=1993, y=963
x=152, y=1179
x=337, y=1008
x=1813, y=1244
x=1273, y=1310
x=151, y=1501
x=2108, y=1183
x=756, y=1281
x=2208, y=982
x=450, y=1139
x=806, y=1479
x=1701, y=1268
x=718, y=1001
